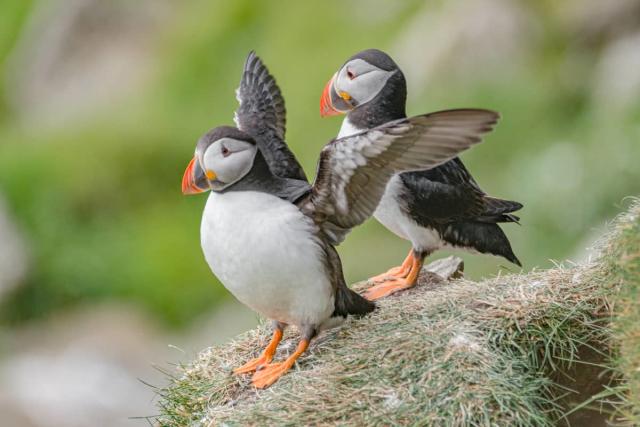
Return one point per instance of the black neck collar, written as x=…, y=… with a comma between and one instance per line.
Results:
x=387, y=105
x=261, y=179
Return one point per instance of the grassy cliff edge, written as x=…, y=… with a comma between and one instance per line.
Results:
x=541, y=348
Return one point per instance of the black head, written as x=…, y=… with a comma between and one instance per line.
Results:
x=377, y=58
x=369, y=87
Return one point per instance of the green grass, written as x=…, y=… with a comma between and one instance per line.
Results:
x=531, y=349
x=623, y=256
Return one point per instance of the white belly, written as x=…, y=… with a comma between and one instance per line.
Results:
x=396, y=220
x=264, y=251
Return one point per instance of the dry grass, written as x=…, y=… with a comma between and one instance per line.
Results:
x=503, y=351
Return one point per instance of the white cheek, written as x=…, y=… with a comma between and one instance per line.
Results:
x=227, y=170
x=364, y=88
x=211, y=158
x=236, y=166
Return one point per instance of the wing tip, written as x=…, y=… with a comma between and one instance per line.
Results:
x=250, y=57
x=253, y=63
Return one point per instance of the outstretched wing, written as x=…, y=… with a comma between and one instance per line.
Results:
x=353, y=171
x=262, y=115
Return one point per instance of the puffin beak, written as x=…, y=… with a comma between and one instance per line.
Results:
x=326, y=104
x=194, y=180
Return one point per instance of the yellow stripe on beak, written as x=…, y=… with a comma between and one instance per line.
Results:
x=345, y=96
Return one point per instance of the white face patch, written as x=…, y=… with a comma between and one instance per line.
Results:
x=361, y=80
x=230, y=159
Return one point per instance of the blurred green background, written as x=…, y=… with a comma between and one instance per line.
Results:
x=101, y=103
x=92, y=153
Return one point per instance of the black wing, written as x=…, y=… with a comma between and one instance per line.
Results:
x=262, y=114
x=353, y=171
x=449, y=193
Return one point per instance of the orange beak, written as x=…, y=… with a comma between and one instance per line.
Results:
x=189, y=181
x=326, y=106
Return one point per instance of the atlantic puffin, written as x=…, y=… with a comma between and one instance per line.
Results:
x=435, y=208
x=271, y=239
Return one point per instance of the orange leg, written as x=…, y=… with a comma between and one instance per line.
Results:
x=395, y=272
x=265, y=357
x=270, y=373
x=392, y=286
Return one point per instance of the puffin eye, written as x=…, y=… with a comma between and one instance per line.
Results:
x=350, y=74
x=225, y=151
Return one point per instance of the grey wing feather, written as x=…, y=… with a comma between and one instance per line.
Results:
x=353, y=171
x=262, y=114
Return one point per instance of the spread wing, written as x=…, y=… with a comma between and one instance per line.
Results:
x=353, y=171
x=262, y=115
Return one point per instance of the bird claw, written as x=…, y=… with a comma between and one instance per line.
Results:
x=269, y=374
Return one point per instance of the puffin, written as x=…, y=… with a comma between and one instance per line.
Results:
x=270, y=236
x=443, y=207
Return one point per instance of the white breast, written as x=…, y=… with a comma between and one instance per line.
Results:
x=390, y=214
x=348, y=128
x=264, y=251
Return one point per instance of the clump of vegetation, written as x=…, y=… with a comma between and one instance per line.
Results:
x=623, y=264
x=519, y=349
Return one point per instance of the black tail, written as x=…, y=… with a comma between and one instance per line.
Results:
x=499, y=210
x=351, y=302
x=484, y=237
x=346, y=301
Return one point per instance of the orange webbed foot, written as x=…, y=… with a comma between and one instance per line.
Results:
x=270, y=373
x=264, y=358
x=252, y=365
x=387, y=288
x=392, y=273
x=399, y=272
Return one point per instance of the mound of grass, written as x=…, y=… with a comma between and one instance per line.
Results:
x=623, y=263
x=520, y=349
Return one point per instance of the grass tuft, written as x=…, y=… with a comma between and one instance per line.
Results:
x=521, y=349
x=622, y=263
